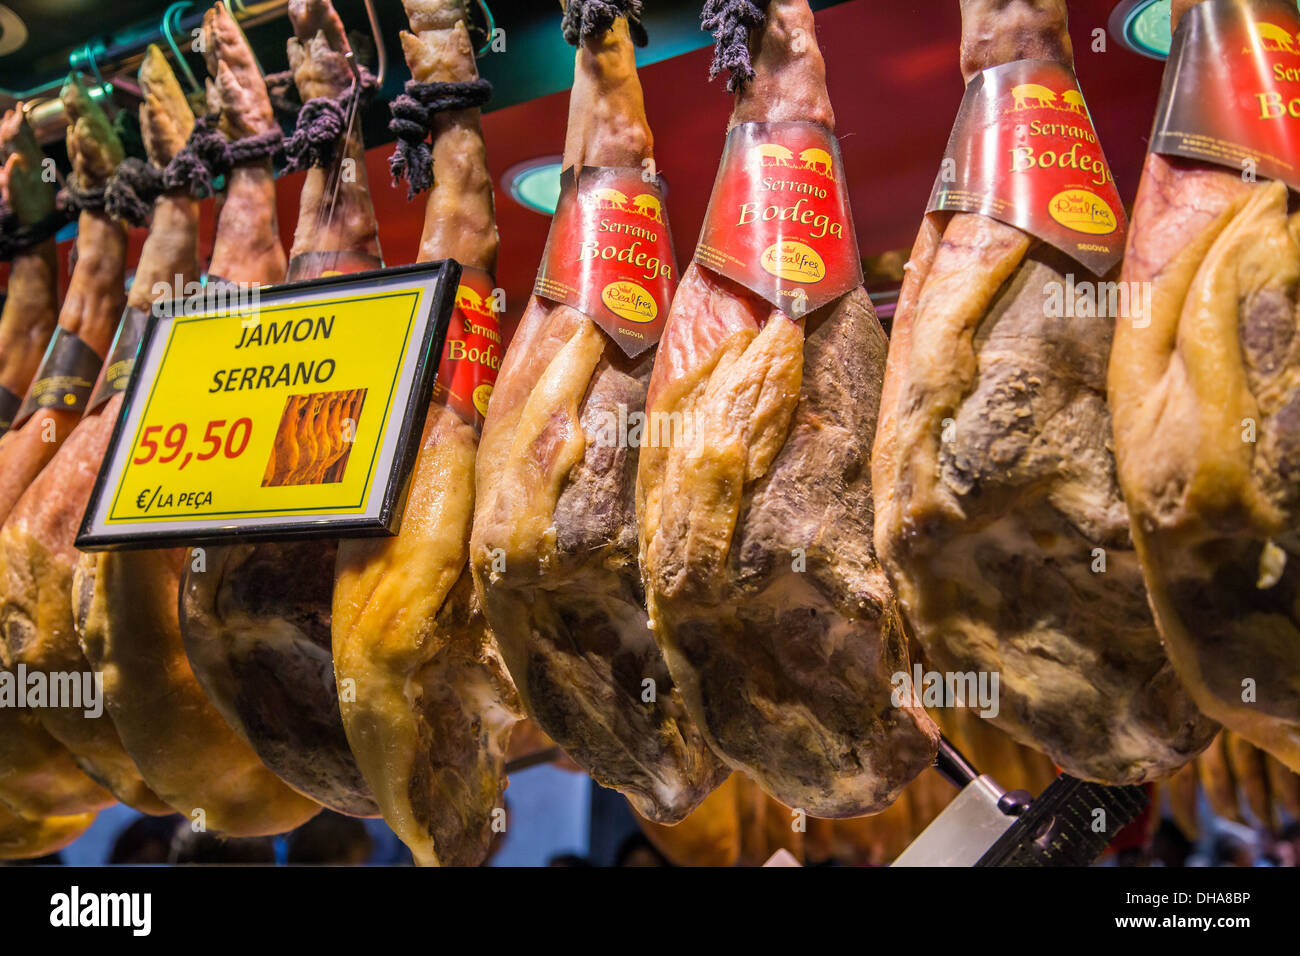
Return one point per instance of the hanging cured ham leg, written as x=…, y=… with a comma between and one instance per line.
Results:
x=764, y=590
x=998, y=514
x=124, y=602
x=36, y=542
x=38, y=777
x=434, y=706
x=554, y=542
x=22, y=839
x=90, y=310
x=256, y=618
x=31, y=306
x=1205, y=399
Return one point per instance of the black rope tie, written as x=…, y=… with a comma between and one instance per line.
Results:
x=586, y=19
x=412, y=123
x=73, y=199
x=206, y=155
x=16, y=238
x=322, y=122
x=730, y=22
x=131, y=192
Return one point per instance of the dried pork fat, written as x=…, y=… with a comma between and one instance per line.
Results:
x=36, y=543
x=995, y=481
x=31, y=305
x=787, y=670
x=1206, y=409
x=125, y=602
x=23, y=839
x=434, y=706
x=708, y=836
x=38, y=777
x=256, y=618
x=554, y=542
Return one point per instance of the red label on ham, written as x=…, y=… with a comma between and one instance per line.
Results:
x=779, y=221
x=1023, y=150
x=472, y=353
x=610, y=254
x=1231, y=92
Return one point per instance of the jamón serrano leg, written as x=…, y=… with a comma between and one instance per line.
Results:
x=554, y=542
x=434, y=706
x=256, y=619
x=38, y=777
x=1206, y=409
x=31, y=306
x=36, y=542
x=995, y=485
x=785, y=663
x=124, y=602
x=96, y=292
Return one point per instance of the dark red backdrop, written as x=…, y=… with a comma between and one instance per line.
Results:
x=894, y=81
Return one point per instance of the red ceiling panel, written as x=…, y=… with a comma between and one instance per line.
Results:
x=894, y=82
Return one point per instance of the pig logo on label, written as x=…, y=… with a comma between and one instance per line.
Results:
x=817, y=160
x=1071, y=100
x=470, y=301
x=642, y=205
x=1272, y=38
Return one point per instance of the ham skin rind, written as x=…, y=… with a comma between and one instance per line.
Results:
x=763, y=586
x=553, y=550
x=48, y=483
x=124, y=603
x=995, y=485
x=256, y=619
x=434, y=707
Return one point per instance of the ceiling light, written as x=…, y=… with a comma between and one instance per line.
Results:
x=1143, y=26
x=535, y=184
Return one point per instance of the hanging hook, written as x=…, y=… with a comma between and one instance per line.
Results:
x=381, y=52
x=86, y=56
x=175, y=9
x=491, y=26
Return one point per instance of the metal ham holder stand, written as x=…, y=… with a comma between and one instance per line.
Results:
x=1070, y=824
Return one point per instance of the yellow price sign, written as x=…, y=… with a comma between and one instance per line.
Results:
x=281, y=412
